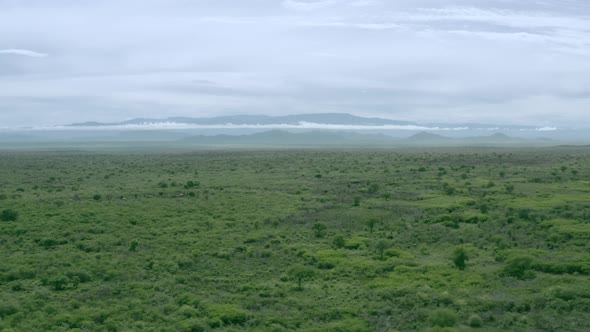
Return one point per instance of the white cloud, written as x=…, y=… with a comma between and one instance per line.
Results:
x=23, y=52
x=308, y=5
x=546, y=129
x=301, y=125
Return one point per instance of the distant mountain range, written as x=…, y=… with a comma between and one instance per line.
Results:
x=324, y=129
x=323, y=118
x=294, y=121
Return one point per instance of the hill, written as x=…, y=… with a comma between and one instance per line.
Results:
x=282, y=137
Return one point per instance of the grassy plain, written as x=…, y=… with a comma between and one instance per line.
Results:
x=442, y=240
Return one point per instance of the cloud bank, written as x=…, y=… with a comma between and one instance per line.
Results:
x=301, y=125
x=451, y=61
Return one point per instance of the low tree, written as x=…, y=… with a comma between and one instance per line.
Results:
x=371, y=224
x=380, y=246
x=300, y=273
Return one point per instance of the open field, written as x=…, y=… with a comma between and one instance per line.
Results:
x=315, y=240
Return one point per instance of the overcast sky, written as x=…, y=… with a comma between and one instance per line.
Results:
x=501, y=61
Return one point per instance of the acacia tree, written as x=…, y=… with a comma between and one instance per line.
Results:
x=381, y=245
x=300, y=273
x=371, y=223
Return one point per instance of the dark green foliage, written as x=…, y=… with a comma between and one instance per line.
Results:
x=191, y=184
x=373, y=188
x=8, y=215
x=301, y=273
x=59, y=283
x=7, y=309
x=509, y=188
x=460, y=258
x=339, y=241
x=443, y=318
x=357, y=201
x=519, y=267
x=133, y=245
x=371, y=224
x=380, y=246
x=319, y=229
x=475, y=321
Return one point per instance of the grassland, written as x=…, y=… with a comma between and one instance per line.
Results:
x=442, y=240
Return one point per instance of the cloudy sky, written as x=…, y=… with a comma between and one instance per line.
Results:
x=501, y=61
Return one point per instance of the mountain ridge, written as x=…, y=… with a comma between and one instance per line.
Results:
x=336, y=119
x=323, y=118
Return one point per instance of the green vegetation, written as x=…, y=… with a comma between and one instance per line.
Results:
x=460, y=258
x=8, y=215
x=448, y=240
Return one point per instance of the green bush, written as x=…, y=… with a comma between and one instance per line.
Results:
x=192, y=325
x=459, y=258
x=59, y=283
x=228, y=314
x=339, y=241
x=319, y=229
x=519, y=267
x=7, y=309
x=475, y=321
x=8, y=215
x=443, y=318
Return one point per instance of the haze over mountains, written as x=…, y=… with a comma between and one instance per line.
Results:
x=306, y=130
x=298, y=121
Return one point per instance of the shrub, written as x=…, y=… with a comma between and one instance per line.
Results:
x=475, y=321
x=192, y=325
x=443, y=318
x=9, y=215
x=228, y=314
x=519, y=267
x=192, y=184
x=59, y=283
x=133, y=245
x=7, y=309
x=326, y=265
x=319, y=229
x=339, y=241
x=82, y=276
x=459, y=258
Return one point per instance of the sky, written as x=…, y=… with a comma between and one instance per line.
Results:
x=501, y=61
